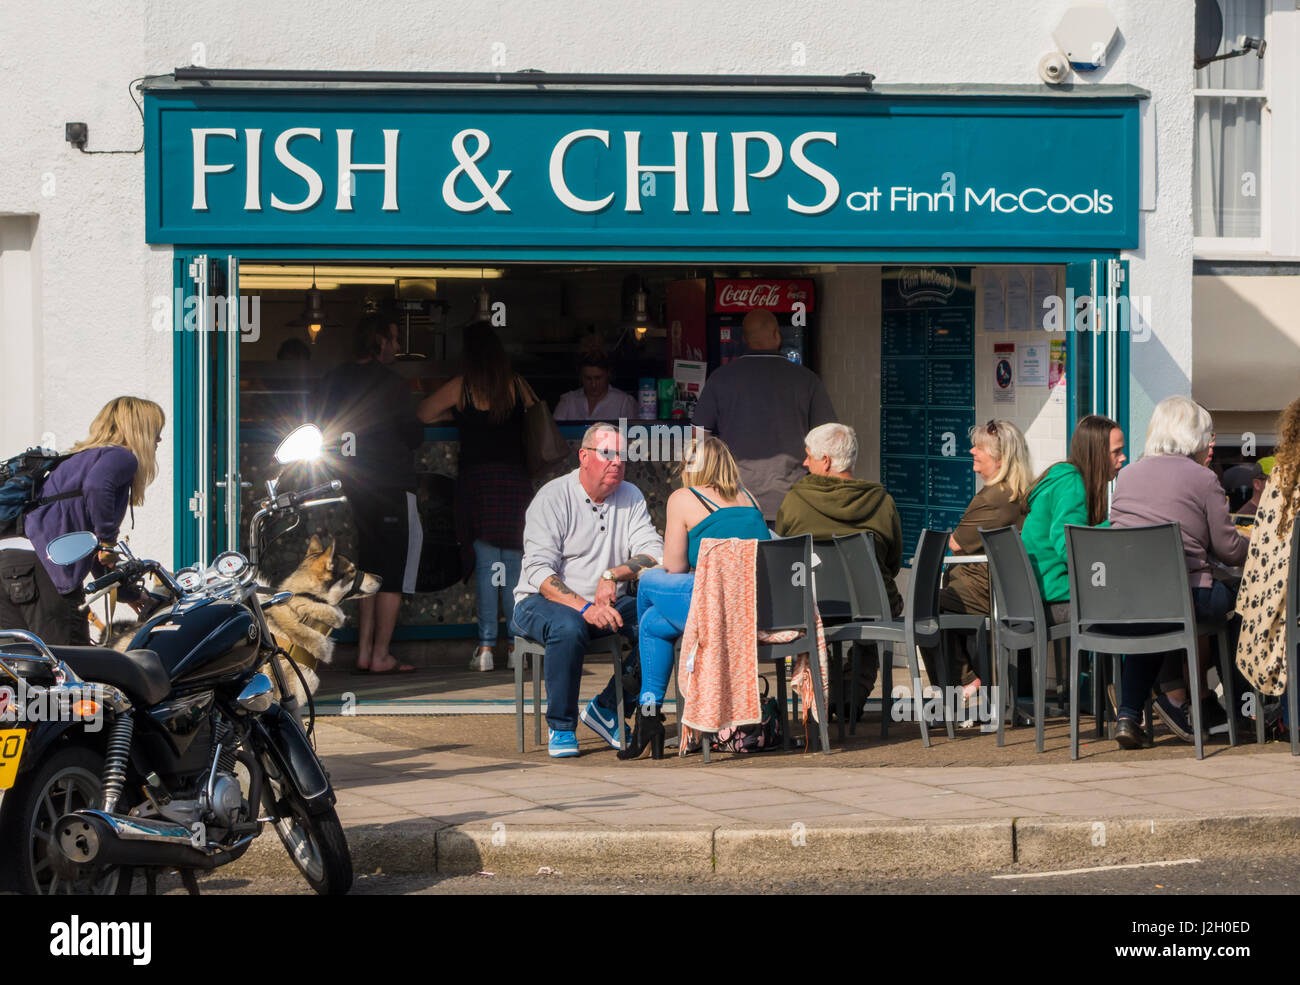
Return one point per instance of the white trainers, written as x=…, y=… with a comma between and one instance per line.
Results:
x=482, y=659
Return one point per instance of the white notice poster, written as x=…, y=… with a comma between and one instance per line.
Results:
x=1033, y=364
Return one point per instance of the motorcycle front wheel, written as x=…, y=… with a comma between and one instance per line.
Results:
x=68, y=781
x=315, y=841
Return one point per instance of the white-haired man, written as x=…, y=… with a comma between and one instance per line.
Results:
x=829, y=502
x=761, y=405
x=586, y=535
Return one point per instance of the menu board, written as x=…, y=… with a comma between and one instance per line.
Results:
x=951, y=382
x=927, y=395
x=903, y=430
x=904, y=383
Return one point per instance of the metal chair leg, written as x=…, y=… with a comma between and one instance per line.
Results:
x=782, y=707
x=1194, y=686
x=835, y=658
x=1074, y=701
x=885, y=688
x=918, y=702
x=1002, y=667
x=519, y=693
x=537, y=697
x=1259, y=716
x=853, y=689
x=1038, y=668
x=619, y=719
x=1098, y=695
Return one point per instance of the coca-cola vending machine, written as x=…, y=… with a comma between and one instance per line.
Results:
x=731, y=299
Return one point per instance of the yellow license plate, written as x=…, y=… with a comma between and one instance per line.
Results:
x=11, y=750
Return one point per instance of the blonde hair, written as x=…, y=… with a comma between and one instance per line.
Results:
x=708, y=462
x=135, y=424
x=1006, y=443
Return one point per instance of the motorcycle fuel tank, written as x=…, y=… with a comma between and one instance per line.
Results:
x=202, y=641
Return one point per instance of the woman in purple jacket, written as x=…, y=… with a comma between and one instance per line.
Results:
x=1172, y=484
x=107, y=473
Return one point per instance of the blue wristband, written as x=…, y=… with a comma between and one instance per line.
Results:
x=585, y=607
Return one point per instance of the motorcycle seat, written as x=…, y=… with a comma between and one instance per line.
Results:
x=139, y=673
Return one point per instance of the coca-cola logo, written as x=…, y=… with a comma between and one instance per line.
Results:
x=757, y=296
x=774, y=295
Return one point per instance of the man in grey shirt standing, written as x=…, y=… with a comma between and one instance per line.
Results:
x=586, y=535
x=762, y=405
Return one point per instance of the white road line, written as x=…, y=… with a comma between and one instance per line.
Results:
x=1098, y=868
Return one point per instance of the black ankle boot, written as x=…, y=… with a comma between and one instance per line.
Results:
x=647, y=730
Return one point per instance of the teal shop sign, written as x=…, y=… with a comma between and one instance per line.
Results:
x=598, y=169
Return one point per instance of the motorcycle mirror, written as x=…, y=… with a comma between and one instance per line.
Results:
x=302, y=445
x=71, y=548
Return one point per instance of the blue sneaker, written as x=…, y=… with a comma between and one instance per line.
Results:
x=562, y=744
x=604, y=723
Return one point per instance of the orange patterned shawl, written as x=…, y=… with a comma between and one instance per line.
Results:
x=719, y=671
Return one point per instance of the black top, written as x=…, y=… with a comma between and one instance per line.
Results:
x=484, y=441
x=368, y=416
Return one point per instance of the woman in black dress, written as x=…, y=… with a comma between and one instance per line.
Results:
x=486, y=401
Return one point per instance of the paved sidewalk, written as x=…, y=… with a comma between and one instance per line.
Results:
x=412, y=800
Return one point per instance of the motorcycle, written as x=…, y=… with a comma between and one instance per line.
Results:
x=176, y=753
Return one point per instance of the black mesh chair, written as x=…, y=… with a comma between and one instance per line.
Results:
x=840, y=610
x=921, y=624
x=1021, y=620
x=784, y=600
x=1128, y=595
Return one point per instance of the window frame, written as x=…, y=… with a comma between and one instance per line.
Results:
x=1211, y=247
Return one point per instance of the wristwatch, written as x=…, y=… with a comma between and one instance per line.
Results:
x=607, y=574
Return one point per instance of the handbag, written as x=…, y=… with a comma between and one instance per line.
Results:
x=766, y=735
x=543, y=442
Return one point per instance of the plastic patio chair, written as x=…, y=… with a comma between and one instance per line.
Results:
x=785, y=601
x=1021, y=620
x=833, y=593
x=1121, y=580
x=921, y=625
x=611, y=645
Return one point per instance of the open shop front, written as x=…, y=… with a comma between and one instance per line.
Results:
x=937, y=258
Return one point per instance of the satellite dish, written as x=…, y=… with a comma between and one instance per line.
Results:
x=1209, y=31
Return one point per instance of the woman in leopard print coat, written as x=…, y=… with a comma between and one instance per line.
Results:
x=1261, y=651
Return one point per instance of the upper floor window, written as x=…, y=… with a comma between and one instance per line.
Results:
x=1231, y=109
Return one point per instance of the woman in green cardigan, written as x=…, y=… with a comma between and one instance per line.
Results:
x=1073, y=491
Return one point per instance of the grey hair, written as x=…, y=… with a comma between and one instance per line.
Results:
x=597, y=428
x=839, y=441
x=1179, y=426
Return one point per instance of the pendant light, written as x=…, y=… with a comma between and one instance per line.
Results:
x=313, y=313
x=640, y=316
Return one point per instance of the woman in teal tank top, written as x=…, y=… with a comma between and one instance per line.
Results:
x=711, y=504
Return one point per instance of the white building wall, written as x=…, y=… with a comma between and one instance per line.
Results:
x=98, y=278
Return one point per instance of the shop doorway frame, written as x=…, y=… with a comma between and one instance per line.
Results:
x=207, y=484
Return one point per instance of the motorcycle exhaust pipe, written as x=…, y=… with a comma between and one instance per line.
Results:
x=95, y=840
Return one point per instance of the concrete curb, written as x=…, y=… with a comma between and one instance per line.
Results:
x=882, y=848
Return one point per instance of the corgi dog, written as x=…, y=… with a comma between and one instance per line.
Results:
x=302, y=625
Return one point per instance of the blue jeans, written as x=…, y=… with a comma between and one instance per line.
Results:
x=1142, y=670
x=565, y=634
x=663, y=602
x=496, y=569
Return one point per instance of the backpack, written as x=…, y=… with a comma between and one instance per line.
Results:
x=21, y=479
